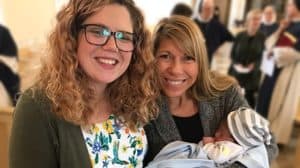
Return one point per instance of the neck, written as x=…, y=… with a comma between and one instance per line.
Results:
x=251, y=32
x=296, y=17
x=99, y=90
x=268, y=23
x=176, y=103
x=204, y=19
x=101, y=111
x=182, y=106
x=101, y=108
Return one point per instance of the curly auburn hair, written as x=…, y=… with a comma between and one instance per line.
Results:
x=186, y=35
x=132, y=96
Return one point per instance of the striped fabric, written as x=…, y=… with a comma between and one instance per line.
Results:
x=248, y=127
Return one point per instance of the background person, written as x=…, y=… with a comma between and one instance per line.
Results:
x=269, y=21
x=182, y=9
x=279, y=94
x=214, y=32
x=246, y=56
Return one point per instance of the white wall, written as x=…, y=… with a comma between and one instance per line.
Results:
x=28, y=20
x=154, y=10
x=237, y=11
x=2, y=21
x=60, y=3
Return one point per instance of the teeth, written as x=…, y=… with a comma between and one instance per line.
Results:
x=175, y=82
x=107, y=61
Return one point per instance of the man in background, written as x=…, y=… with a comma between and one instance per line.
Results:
x=214, y=32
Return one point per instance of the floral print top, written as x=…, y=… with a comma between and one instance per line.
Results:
x=113, y=145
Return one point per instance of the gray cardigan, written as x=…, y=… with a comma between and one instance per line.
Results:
x=163, y=130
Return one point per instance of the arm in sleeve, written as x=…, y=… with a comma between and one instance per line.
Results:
x=261, y=48
x=233, y=53
x=226, y=35
x=8, y=46
x=285, y=56
x=31, y=144
x=10, y=80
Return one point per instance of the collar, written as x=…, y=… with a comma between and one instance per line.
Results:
x=268, y=23
x=295, y=20
x=199, y=18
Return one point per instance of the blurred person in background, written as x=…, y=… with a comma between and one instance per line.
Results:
x=8, y=64
x=269, y=21
x=215, y=33
x=182, y=9
x=246, y=56
x=280, y=91
x=217, y=13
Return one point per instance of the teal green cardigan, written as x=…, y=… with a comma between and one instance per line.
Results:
x=41, y=140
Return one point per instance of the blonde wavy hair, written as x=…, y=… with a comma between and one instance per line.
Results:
x=132, y=96
x=186, y=35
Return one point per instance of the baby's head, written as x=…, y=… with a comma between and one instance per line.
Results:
x=222, y=134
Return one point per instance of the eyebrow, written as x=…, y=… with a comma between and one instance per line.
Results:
x=163, y=51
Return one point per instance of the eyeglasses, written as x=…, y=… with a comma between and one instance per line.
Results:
x=98, y=35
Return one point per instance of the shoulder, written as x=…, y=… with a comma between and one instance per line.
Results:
x=241, y=34
x=260, y=35
x=4, y=31
x=234, y=98
x=33, y=97
x=275, y=25
x=33, y=104
x=216, y=24
x=229, y=99
x=233, y=90
x=229, y=92
x=239, y=37
x=214, y=21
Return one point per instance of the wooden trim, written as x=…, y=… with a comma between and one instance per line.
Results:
x=6, y=115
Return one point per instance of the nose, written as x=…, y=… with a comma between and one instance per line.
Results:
x=175, y=67
x=110, y=44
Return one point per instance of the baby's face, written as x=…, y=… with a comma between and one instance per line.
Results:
x=223, y=133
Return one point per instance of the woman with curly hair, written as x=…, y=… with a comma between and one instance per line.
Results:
x=94, y=94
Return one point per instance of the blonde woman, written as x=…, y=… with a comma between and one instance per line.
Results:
x=194, y=100
x=94, y=93
x=246, y=56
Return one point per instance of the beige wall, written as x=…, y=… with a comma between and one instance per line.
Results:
x=28, y=20
x=237, y=11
